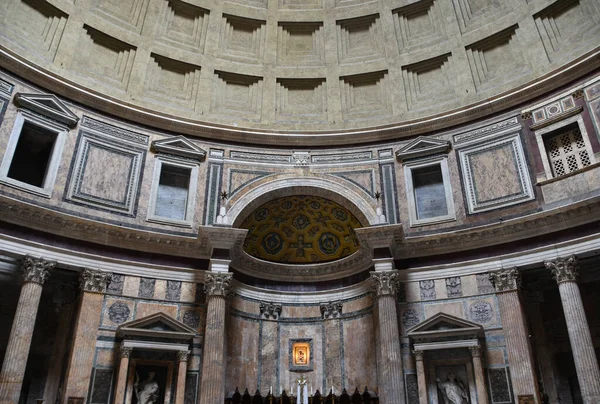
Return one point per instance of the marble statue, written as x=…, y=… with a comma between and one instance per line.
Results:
x=146, y=391
x=453, y=390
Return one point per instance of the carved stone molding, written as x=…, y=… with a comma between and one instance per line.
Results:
x=475, y=351
x=331, y=310
x=94, y=281
x=386, y=283
x=126, y=351
x=36, y=269
x=418, y=355
x=217, y=284
x=270, y=311
x=563, y=269
x=182, y=356
x=506, y=280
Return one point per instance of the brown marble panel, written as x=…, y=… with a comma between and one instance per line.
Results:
x=106, y=174
x=358, y=304
x=494, y=356
x=300, y=330
x=242, y=354
x=360, y=356
x=145, y=309
x=333, y=352
x=300, y=311
x=572, y=186
x=454, y=309
x=246, y=306
x=105, y=357
x=495, y=173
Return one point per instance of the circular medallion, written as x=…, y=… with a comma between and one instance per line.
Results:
x=118, y=312
x=329, y=243
x=272, y=243
x=481, y=311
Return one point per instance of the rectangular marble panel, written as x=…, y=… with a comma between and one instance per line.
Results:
x=269, y=350
x=144, y=309
x=427, y=289
x=412, y=388
x=484, y=285
x=102, y=386
x=242, y=352
x=299, y=331
x=131, y=286
x=147, y=287
x=454, y=309
x=188, y=292
x=499, y=385
x=116, y=284
x=569, y=188
x=333, y=351
x=191, y=387
x=360, y=356
x=173, y=290
x=105, y=357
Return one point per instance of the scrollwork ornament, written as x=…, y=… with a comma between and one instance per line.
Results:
x=418, y=355
x=475, y=351
x=563, y=269
x=331, y=310
x=36, y=270
x=270, y=311
x=506, y=280
x=182, y=356
x=217, y=284
x=386, y=283
x=126, y=351
x=94, y=281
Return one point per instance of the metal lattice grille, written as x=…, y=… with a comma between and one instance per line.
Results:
x=567, y=152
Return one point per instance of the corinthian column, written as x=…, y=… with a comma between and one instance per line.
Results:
x=586, y=364
x=35, y=272
x=93, y=285
x=389, y=358
x=212, y=386
x=520, y=357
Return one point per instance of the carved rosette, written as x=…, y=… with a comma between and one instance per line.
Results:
x=182, y=356
x=563, y=269
x=217, y=284
x=386, y=283
x=126, y=351
x=475, y=351
x=270, y=311
x=36, y=269
x=418, y=355
x=506, y=280
x=94, y=281
x=331, y=310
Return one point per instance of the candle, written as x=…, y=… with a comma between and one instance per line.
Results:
x=271, y=390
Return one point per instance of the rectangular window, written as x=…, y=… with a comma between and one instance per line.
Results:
x=172, y=194
x=430, y=195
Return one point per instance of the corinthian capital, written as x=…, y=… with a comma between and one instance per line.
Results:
x=563, y=269
x=95, y=281
x=36, y=269
x=217, y=284
x=506, y=280
x=386, y=283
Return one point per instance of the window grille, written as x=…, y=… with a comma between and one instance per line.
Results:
x=567, y=152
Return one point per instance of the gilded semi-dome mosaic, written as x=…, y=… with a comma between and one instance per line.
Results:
x=301, y=229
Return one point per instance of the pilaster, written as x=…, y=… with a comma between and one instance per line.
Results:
x=480, y=384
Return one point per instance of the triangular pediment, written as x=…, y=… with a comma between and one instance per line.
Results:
x=179, y=146
x=423, y=146
x=158, y=325
x=48, y=105
x=444, y=325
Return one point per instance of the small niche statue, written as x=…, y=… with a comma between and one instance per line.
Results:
x=146, y=391
x=453, y=390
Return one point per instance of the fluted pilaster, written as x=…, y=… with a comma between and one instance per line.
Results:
x=389, y=366
x=565, y=271
x=212, y=386
x=520, y=357
x=35, y=272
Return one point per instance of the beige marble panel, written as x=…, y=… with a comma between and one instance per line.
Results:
x=358, y=304
x=360, y=356
x=454, y=309
x=246, y=306
x=105, y=357
x=572, y=186
x=495, y=173
x=188, y=292
x=494, y=356
x=106, y=174
x=131, y=286
x=413, y=291
x=145, y=309
x=469, y=285
x=160, y=289
x=440, y=289
x=242, y=352
x=300, y=311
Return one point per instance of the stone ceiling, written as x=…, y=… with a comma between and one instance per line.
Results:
x=301, y=230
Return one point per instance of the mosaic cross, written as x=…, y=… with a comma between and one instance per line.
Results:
x=300, y=246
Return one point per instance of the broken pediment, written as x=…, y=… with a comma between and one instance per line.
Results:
x=179, y=146
x=158, y=325
x=423, y=146
x=47, y=105
x=445, y=325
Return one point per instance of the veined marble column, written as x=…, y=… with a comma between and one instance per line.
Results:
x=122, y=376
x=389, y=365
x=586, y=363
x=520, y=356
x=212, y=386
x=182, y=357
x=421, y=378
x=480, y=385
x=93, y=285
x=35, y=272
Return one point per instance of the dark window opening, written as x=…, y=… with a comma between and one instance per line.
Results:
x=430, y=195
x=172, y=194
x=32, y=155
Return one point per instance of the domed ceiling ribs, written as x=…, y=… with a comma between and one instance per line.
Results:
x=301, y=230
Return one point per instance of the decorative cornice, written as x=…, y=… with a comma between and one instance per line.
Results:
x=182, y=356
x=217, y=284
x=564, y=269
x=36, y=270
x=506, y=280
x=423, y=146
x=49, y=106
x=270, y=311
x=475, y=351
x=94, y=281
x=386, y=283
x=331, y=310
x=125, y=351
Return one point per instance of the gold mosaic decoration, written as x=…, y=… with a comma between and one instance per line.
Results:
x=301, y=230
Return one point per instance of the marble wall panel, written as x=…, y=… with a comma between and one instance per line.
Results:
x=188, y=292
x=358, y=304
x=300, y=311
x=191, y=388
x=160, y=289
x=499, y=383
x=101, y=386
x=300, y=330
x=245, y=305
x=193, y=317
x=242, y=354
x=483, y=311
x=412, y=291
x=144, y=309
x=332, y=334
x=269, y=354
x=131, y=286
x=570, y=187
x=452, y=308
x=409, y=316
x=495, y=356
x=105, y=357
x=469, y=285
x=360, y=356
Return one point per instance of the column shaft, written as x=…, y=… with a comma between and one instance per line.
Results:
x=421, y=379
x=212, y=387
x=122, y=377
x=17, y=350
x=391, y=382
x=582, y=345
x=480, y=385
x=181, y=375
